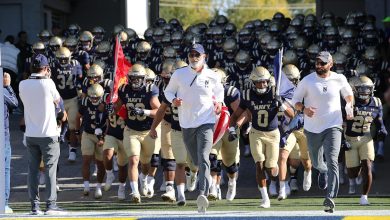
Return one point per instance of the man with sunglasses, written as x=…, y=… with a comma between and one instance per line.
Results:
x=318, y=97
x=198, y=93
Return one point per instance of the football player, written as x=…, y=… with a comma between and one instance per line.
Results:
x=227, y=150
x=95, y=76
x=264, y=136
x=92, y=140
x=358, y=142
x=113, y=142
x=67, y=75
x=141, y=102
x=293, y=136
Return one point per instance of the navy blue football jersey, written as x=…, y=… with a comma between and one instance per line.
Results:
x=66, y=78
x=161, y=87
x=92, y=117
x=137, y=99
x=239, y=78
x=174, y=115
x=364, y=115
x=263, y=108
x=84, y=59
x=115, y=126
x=231, y=94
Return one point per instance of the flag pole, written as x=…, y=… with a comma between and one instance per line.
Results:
x=280, y=71
x=116, y=49
x=2, y=144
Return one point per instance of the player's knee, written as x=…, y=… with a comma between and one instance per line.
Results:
x=154, y=162
x=168, y=164
x=214, y=163
x=232, y=169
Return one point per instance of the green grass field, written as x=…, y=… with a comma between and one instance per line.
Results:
x=293, y=204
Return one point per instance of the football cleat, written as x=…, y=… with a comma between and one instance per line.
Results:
x=109, y=180
x=86, y=191
x=98, y=193
x=265, y=203
x=135, y=198
x=213, y=193
x=272, y=189
x=169, y=196
x=191, y=181
x=364, y=200
x=121, y=192
x=231, y=192
x=294, y=185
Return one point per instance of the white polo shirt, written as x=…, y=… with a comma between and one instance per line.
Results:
x=323, y=94
x=197, y=91
x=38, y=97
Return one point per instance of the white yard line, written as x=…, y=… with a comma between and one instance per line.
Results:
x=219, y=214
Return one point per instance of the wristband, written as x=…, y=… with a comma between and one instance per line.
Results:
x=147, y=112
x=232, y=129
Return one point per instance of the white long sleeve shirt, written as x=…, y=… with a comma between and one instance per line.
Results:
x=324, y=95
x=198, y=92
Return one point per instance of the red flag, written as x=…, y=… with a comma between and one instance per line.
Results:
x=122, y=67
x=221, y=125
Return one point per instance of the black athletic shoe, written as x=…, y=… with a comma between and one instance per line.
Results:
x=329, y=205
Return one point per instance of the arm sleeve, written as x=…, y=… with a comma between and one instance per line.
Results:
x=172, y=88
x=346, y=89
x=299, y=93
x=10, y=97
x=155, y=90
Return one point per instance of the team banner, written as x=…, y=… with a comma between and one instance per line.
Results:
x=284, y=87
x=122, y=67
x=221, y=125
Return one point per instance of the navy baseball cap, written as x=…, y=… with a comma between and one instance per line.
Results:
x=40, y=61
x=198, y=48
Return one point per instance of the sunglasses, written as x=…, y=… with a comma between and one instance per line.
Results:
x=192, y=55
x=321, y=63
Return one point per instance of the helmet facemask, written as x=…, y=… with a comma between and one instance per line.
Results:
x=136, y=82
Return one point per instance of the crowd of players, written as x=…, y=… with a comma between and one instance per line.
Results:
x=82, y=67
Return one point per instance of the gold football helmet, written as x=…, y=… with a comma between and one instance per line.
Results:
x=362, y=86
x=86, y=40
x=55, y=43
x=260, y=74
x=292, y=73
x=136, y=76
x=95, y=74
x=150, y=76
x=63, y=55
x=221, y=74
x=95, y=93
x=38, y=48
